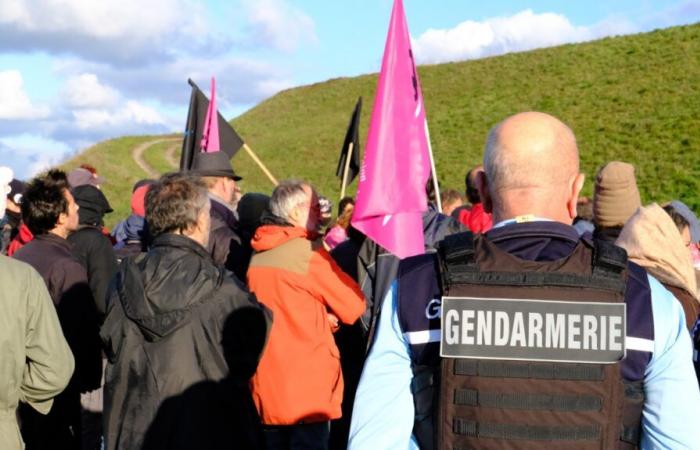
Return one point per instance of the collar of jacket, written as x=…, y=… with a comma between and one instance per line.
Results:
x=54, y=239
x=534, y=229
x=181, y=242
x=270, y=236
x=223, y=212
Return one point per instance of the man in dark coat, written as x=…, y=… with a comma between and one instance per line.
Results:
x=225, y=244
x=92, y=248
x=50, y=212
x=164, y=330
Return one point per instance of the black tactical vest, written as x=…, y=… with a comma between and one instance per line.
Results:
x=542, y=342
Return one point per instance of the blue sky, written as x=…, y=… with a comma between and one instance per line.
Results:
x=75, y=72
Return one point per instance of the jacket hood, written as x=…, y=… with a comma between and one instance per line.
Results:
x=93, y=204
x=135, y=228
x=271, y=236
x=653, y=241
x=158, y=289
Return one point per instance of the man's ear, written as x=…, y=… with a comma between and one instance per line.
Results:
x=482, y=184
x=62, y=218
x=574, y=190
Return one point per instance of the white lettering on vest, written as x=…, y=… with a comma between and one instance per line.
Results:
x=518, y=335
x=483, y=327
x=467, y=326
x=574, y=331
x=554, y=330
x=534, y=330
x=502, y=328
x=451, y=331
x=590, y=326
x=615, y=333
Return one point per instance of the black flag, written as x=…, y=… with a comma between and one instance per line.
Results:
x=230, y=141
x=351, y=136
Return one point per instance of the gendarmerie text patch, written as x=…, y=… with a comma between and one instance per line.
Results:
x=532, y=330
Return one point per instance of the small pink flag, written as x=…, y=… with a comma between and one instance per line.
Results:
x=210, y=133
x=391, y=193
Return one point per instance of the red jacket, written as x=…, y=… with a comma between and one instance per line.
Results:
x=299, y=376
x=23, y=238
x=475, y=218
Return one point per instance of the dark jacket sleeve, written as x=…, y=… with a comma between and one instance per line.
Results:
x=95, y=251
x=102, y=265
x=79, y=320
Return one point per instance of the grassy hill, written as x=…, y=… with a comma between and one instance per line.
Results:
x=633, y=98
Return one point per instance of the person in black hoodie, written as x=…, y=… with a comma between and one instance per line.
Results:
x=92, y=248
x=164, y=328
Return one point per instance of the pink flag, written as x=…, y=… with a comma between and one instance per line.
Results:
x=210, y=134
x=391, y=193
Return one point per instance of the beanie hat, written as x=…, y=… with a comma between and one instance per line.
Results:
x=616, y=195
x=138, y=200
x=17, y=188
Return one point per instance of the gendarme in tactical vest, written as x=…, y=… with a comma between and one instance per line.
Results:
x=510, y=353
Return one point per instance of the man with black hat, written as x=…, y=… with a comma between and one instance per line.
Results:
x=13, y=218
x=225, y=243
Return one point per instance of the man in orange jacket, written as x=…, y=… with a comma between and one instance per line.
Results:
x=298, y=387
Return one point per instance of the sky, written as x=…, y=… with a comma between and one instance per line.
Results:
x=75, y=72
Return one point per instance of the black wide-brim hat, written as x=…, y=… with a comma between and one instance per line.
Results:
x=213, y=164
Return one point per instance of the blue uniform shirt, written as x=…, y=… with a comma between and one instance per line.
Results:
x=383, y=410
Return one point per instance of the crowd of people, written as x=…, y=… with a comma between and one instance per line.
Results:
x=212, y=319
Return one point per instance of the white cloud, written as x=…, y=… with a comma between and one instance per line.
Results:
x=279, y=24
x=240, y=81
x=14, y=101
x=525, y=30
x=130, y=113
x=107, y=30
x=86, y=91
x=29, y=154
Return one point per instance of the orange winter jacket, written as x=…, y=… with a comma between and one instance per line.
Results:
x=299, y=377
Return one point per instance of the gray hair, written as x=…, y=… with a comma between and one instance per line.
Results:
x=174, y=203
x=288, y=195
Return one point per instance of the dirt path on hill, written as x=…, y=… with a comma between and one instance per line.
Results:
x=137, y=155
x=170, y=155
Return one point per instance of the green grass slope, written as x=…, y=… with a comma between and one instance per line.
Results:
x=633, y=98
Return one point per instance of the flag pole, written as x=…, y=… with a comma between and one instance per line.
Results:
x=260, y=164
x=347, y=169
x=433, y=170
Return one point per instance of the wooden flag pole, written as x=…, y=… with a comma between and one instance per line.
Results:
x=438, y=201
x=260, y=164
x=346, y=169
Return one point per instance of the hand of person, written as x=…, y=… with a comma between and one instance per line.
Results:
x=325, y=210
x=333, y=320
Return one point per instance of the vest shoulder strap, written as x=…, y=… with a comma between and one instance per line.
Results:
x=457, y=249
x=608, y=259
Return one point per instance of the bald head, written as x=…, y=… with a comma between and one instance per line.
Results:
x=531, y=167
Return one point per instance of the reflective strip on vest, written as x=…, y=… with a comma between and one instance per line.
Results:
x=639, y=344
x=422, y=337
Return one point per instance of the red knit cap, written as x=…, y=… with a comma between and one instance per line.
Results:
x=138, y=200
